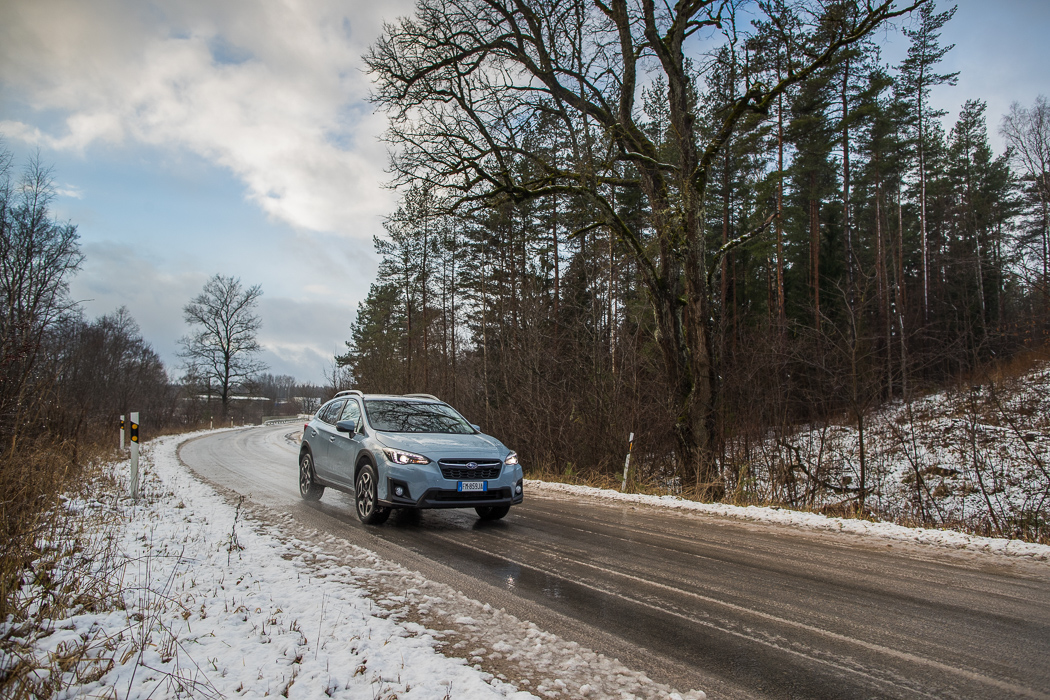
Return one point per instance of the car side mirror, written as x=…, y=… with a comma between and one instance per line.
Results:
x=346, y=426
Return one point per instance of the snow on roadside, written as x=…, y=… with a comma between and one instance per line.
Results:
x=215, y=608
x=220, y=601
x=491, y=639
x=781, y=516
x=972, y=457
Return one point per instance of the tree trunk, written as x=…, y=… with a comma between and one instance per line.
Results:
x=1045, y=195
x=781, y=311
x=685, y=345
x=424, y=283
x=814, y=253
x=846, y=185
x=612, y=308
x=226, y=388
x=883, y=279
x=922, y=219
x=900, y=289
x=557, y=269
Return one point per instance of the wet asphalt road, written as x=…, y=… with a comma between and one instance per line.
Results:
x=738, y=609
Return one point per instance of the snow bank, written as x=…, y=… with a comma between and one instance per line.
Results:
x=780, y=516
x=218, y=603
x=973, y=457
x=215, y=608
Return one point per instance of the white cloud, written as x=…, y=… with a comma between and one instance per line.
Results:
x=303, y=337
x=66, y=190
x=114, y=276
x=300, y=337
x=274, y=91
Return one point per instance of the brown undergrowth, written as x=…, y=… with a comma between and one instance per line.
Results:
x=60, y=513
x=972, y=457
x=52, y=563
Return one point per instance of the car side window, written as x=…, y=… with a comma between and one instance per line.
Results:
x=330, y=413
x=351, y=411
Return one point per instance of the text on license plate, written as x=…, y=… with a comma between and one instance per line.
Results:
x=473, y=486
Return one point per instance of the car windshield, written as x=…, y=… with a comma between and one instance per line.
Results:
x=412, y=417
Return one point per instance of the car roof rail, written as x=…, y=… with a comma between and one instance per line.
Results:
x=422, y=396
x=347, y=392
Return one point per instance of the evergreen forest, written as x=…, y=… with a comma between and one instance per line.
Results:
x=752, y=223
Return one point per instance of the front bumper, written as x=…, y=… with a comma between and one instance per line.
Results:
x=422, y=488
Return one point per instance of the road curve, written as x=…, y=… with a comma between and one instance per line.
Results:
x=738, y=609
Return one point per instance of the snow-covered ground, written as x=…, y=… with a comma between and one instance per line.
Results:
x=217, y=600
x=213, y=603
x=975, y=457
x=781, y=516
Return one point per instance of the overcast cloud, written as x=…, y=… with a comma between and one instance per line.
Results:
x=272, y=93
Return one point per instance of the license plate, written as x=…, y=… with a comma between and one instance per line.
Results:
x=473, y=486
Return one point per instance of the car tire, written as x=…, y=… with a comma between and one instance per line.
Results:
x=309, y=489
x=492, y=512
x=366, y=497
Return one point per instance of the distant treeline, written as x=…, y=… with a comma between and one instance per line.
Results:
x=64, y=379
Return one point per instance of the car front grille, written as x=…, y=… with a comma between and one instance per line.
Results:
x=460, y=469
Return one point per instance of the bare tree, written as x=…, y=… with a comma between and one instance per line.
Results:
x=220, y=350
x=1027, y=131
x=469, y=83
x=38, y=255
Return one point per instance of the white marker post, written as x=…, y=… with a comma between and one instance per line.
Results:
x=121, y=432
x=627, y=462
x=135, y=455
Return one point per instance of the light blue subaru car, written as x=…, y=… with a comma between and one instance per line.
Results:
x=411, y=451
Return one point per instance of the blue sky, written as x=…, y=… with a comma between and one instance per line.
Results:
x=191, y=137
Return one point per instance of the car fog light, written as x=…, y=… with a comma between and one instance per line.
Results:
x=518, y=488
x=398, y=491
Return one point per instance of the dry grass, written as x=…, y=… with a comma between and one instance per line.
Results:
x=641, y=478
x=31, y=479
x=53, y=563
x=60, y=513
x=985, y=428
x=1018, y=365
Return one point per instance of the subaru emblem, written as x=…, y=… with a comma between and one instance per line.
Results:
x=472, y=465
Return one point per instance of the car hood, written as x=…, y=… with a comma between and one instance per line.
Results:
x=438, y=445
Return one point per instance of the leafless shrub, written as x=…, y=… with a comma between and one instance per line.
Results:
x=72, y=565
x=58, y=560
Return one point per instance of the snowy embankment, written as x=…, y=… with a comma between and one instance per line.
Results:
x=217, y=604
x=973, y=457
x=217, y=608
x=780, y=516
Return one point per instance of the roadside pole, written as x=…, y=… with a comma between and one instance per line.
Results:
x=122, y=432
x=627, y=462
x=135, y=455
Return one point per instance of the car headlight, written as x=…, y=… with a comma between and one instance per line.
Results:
x=512, y=458
x=401, y=457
